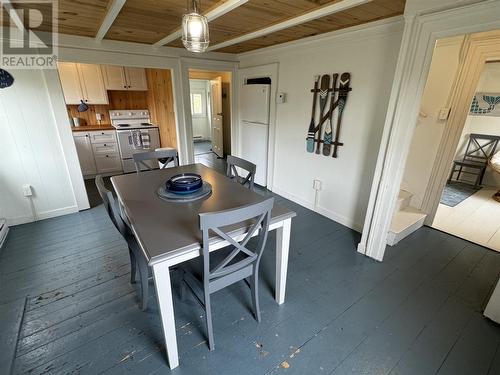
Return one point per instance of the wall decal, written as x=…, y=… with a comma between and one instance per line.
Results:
x=327, y=93
x=484, y=104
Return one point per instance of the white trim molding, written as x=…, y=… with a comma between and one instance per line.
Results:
x=113, y=10
x=185, y=65
x=419, y=38
x=323, y=11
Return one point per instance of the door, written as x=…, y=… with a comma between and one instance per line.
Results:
x=85, y=154
x=70, y=82
x=114, y=77
x=92, y=83
x=216, y=116
x=136, y=79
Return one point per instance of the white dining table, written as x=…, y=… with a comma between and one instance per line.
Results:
x=169, y=234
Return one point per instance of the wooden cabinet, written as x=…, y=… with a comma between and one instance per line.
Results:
x=136, y=78
x=85, y=153
x=98, y=152
x=70, y=82
x=82, y=82
x=92, y=82
x=124, y=78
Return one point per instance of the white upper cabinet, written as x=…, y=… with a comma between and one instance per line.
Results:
x=82, y=82
x=94, y=91
x=70, y=82
x=114, y=77
x=124, y=78
x=136, y=78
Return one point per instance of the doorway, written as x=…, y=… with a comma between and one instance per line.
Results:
x=114, y=112
x=210, y=99
x=468, y=207
x=449, y=181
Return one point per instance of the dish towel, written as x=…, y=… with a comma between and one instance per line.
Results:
x=136, y=139
x=146, y=139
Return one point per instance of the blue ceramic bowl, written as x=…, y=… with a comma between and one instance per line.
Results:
x=184, y=183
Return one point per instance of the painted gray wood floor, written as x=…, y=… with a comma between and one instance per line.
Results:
x=418, y=312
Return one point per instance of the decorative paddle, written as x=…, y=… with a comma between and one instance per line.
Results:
x=344, y=89
x=323, y=99
x=328, y=137
x=311, y=131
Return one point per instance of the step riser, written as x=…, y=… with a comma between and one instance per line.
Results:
x=393, y=238
x=403, y=203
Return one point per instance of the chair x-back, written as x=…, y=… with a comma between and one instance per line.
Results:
x=163, y=156
x=234, y=263
x=232, y=171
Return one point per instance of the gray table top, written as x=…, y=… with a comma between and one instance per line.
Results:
x=165, y=229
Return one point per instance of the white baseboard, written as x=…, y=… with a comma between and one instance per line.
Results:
x=42, y=215
x=341, y=219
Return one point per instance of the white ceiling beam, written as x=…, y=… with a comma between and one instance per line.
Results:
x=211, y=15
x=14, y=15
x=113, y=9
x=303, y=18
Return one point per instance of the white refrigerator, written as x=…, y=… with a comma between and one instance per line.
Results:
x=254, y=127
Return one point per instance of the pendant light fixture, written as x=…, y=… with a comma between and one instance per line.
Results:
x=195, y=36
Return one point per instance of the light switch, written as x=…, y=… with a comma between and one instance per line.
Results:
x=443, y=114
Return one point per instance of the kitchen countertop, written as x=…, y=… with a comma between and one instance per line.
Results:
x=91, y=128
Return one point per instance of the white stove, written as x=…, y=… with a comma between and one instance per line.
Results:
x=131, y=119
x=135, y=134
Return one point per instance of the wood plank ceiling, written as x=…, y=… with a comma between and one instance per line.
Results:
x=148, y=21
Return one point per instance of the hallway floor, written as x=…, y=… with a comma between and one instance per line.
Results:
x=476, y=219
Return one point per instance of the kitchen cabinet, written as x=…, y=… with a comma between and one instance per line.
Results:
x=82, y=82
x=124, y=78
x=85, y=153
x=98, y=152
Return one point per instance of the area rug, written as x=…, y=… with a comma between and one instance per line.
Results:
x=457, y=192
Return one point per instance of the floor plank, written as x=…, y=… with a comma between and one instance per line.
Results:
x=418, y=312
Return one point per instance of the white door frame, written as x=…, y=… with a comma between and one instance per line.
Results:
x=419, y=37
x=216, y=66
x=479, y=49
x=258, y=71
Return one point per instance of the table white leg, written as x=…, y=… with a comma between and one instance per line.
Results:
x=282, y=249
x=164, y=294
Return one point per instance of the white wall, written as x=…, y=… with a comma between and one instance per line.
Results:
x=31, y=152
x=370, y=55
x=201, y=124
x=429, y=128
x=489, y=83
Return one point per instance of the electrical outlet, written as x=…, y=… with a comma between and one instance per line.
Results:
x=98, y=116
x=27, y=191
x=316, y=184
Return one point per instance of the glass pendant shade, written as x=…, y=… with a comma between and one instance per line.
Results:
x=195, y=35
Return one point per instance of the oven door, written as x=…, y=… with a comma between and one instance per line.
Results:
x=127, y=147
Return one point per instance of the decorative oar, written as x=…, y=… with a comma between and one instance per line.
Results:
x=311, y=131
x=344, y=89
x=328, y=137
x=323, y=99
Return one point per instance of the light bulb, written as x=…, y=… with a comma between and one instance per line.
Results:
x=195, y=27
